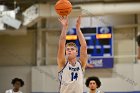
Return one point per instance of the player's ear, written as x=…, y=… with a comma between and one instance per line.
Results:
x=76, y=52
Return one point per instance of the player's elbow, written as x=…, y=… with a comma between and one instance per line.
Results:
x=84, y=47
x=62, y=38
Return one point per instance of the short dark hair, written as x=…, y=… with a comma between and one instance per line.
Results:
x=17, y=79
x=94, y=78
x=138, y=40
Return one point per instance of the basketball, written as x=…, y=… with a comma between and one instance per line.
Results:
x=63, y=7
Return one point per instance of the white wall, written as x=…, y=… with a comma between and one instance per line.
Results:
x=45, y=79
x=111, y=20
x=137, y=76
x=17, y=49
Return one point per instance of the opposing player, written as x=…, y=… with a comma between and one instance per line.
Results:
x=71, y=68
x=17, y=83
x=93, y=83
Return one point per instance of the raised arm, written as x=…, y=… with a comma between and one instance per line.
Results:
x=62, y=41
x=83, y=48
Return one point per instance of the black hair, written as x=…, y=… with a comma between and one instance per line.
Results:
x=138, y=40
x=94, y=78
x=17, y=79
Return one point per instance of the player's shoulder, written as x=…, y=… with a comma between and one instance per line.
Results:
x=60, y=69
x=8, y=91
x=20, y=92
x=80, y=64
x=11, y=91
x=100, y=91
x=79, y=61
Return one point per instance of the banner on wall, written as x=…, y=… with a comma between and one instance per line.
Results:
x=99, y=45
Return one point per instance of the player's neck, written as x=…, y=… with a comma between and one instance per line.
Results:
x=92, y=91
x=72, y=61
x=15, y=90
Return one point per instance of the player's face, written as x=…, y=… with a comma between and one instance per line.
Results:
x=17, y=85
x=92, y=85
x=71, y=51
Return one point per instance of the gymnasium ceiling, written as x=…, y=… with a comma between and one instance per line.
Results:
x=24, y=4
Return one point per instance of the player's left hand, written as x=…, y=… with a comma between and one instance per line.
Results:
x=63, y=20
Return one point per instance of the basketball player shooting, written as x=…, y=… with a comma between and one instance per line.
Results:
x=70, y=68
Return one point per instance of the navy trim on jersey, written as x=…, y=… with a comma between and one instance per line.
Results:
x=80, y=64
x=59, y=85
x=61, y=75
x=63, y=67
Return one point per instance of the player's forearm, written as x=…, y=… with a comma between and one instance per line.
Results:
x=81, y=37
x=62, y=38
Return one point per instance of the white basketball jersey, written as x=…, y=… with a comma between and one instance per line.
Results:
x=11, y=91
x=71, y=78
x=97, y=91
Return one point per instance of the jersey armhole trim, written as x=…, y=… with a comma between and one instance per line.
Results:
x=80, y=64
x=63, y=67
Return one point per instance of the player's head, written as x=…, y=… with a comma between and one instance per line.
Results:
x=17, y=83
x=71, y=50
x=93, y=82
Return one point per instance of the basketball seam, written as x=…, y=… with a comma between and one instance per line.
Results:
x=63, y=9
